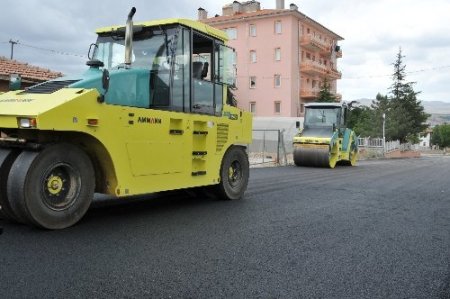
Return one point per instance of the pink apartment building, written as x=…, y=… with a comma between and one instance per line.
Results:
x=283, y=56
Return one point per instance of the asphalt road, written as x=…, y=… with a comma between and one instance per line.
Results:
x=378, y=230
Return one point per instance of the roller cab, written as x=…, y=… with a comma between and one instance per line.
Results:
x=325, y=141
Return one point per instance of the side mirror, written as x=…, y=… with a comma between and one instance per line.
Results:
x=105, y=80
x=92, y=48
x=105, y=85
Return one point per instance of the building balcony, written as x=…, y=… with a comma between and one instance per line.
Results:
x=334, y=74
x=311, y=94
x=312, y=68
x=316, y=69
x=314, y=44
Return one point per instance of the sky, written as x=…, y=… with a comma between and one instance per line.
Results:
x=373, y=32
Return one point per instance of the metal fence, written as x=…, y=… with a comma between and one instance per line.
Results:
x=370, y=142
x=389, y=146
x=269, y=148
x=272, y=147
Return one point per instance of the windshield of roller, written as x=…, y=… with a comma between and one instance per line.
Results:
x=153, y=48
x=321, y=117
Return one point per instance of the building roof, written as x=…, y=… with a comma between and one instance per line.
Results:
x=200, y=26
x=267, y=13
x=26, y=71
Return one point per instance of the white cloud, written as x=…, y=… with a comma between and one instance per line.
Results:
x=373, y=32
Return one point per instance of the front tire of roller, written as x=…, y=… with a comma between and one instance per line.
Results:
x=234, y=173
x=54, y=188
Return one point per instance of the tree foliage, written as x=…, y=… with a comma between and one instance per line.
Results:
x=404, y=114
x=441, y=135
x=325, y=96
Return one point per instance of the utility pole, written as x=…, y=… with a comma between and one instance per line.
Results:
x=384, y=136
x=12, y=47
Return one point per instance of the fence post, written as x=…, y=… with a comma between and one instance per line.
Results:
x=284, y=147
x=278, y=148
x=264, y=146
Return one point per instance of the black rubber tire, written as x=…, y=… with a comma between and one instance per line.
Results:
x=53, y=188
x=234, y=174
x=7, y=157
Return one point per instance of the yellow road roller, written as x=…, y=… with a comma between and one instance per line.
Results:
x=325, y=141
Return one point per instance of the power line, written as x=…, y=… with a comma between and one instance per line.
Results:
x=46, y=49
x=53, y=51
x=436, y=68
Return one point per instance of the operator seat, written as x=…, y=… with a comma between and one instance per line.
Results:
x=197, y=70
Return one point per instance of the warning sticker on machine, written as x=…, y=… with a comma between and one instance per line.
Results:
x=16, y=100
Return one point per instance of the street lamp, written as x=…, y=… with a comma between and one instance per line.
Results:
x=384, y=138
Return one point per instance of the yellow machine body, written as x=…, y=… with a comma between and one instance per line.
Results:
x=324, y=140
x=153, y=112
x=134, y=150
x=138, y=150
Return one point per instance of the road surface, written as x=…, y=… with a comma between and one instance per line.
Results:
x=378, y=230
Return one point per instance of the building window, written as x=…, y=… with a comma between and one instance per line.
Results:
x=277, y=80
x=252, y=81
x=252, y=30
x=231, y=32
x=278, y=27
x=253, y=107
x=278, y=54
x=252, y=56
x=277, y=107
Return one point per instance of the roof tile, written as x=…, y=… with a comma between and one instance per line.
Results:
x=30, y=72
x=237, y=16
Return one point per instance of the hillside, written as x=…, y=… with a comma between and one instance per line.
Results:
x=440, y=111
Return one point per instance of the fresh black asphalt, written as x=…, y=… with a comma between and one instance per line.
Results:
x=378, y=230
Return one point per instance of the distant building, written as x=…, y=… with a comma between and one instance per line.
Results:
x=30, y=75
x=283, y=56
x=425, y=138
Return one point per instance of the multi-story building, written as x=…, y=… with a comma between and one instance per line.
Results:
x=283, y=56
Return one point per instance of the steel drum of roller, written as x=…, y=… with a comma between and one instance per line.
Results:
x=315, y=156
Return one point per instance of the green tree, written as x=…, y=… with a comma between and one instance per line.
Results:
x=441, y=135
x=325, y=96
x=379, y=107
x=404, y=114
x=435, y=138
x=360, y=120
x=407, y=116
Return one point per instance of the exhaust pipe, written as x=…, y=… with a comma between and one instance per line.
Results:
x=129, y=37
